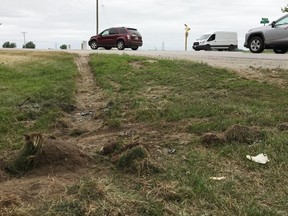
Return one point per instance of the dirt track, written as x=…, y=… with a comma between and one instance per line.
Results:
x=79, y=128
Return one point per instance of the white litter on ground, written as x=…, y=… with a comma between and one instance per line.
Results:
x=261, y=158
x=218, y=178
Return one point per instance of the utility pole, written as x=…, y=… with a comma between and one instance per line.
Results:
x=24, y=35
x=97, y=18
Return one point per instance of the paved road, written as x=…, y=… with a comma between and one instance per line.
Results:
x=234, y=60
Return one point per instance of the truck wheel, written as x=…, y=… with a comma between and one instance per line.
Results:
x=280, y=51
x=207, y=47
x=256, y=45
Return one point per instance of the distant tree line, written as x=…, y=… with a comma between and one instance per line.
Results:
x=7, y=44
x=29, y=45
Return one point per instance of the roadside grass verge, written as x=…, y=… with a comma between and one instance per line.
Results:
x=191, y=99
x=34, y=88
x=157, y=164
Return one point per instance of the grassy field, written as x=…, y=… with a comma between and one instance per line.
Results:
x=190, y=98
x=34, y=88
x=169, y=106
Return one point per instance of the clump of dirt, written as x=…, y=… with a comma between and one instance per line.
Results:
x=131, y=157
x=243, y=134
x=110, y=148
x=60, y=155
x=235, y=133
x=282, y=126
x=211, y=138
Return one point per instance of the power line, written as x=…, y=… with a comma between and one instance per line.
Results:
x=66, y=9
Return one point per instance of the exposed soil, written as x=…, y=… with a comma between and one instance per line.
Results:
x=67, y=151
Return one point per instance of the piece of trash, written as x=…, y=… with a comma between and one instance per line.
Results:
x=86, y=113
x=261, y=158
x=171, y=151
x=218, y=178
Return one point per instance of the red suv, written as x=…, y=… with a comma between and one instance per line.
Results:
x=120, y=37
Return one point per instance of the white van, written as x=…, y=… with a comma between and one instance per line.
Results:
x=219, y=40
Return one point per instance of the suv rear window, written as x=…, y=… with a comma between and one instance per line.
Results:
x=133, y=31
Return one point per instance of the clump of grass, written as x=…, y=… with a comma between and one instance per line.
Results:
x=87, y=189
x=242, y=134
x=155, y=209
x=128, y=160
x=148, y=167
x=62, y=207
x=113, y=123
x=23, y=161
x=212, y=138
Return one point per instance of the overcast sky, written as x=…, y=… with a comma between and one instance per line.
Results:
x=51, y=23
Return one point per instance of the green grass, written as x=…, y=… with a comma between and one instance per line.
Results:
x=195, y=98
x=171, y=104
x=32, y=91
x=175, y=90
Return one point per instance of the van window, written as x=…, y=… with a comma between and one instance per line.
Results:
x=212, y=38
x=204, y=37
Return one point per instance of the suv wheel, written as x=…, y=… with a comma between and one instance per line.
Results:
x=94, y=45
x=256, y=45
x=280, y=51
x=134, y=48
x=120, y=45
